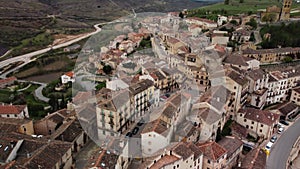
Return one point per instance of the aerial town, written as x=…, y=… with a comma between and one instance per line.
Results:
x=159, y=90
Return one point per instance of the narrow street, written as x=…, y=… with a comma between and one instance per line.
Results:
x=82, y=157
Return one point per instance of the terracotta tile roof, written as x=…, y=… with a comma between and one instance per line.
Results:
x=157, y=126
x=82, y=97
x=238, y=78
x=208, y=115
x=140, y=86
x=288, y=107
x=216, y=96
x=212, y=150
x=261, y=116
x=196, y=150
x=255, y=159
x=172, y=40
x=183, y=150
x=165, y=160
x=239, y=130
x=7, y=80
x=237, y=59
x=256, y=74
x=115, y=101
x=70, y=74
x=169, y=111
x=43, y=153
x=70, y=133
x=11, y=109
x=231, y=144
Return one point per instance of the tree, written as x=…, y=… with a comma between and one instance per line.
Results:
x=241, y=1
x=100, y=85
x=181, y=15
x=288, y=59
x=234, y=22
x=226, y=2
x=107, y=69
x=252, y=23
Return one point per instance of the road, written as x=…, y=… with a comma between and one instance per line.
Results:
x=39, y=93
x=282, y=148
x=257, y=37
x=26, y=58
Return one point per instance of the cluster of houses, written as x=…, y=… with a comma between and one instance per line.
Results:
x=51, y=142
x=187, y=92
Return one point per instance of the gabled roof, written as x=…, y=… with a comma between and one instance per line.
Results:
x=164, y=161
x=183, y=150
x=212, y=150
x=256, y=74
x=115, y=101
x=11, y=109
x=208, y=115
x=157, y=126
x=70, y=74
x=231, y=144
x=216, y=96
x=238, y=78
x=260, y=116
x=288, y=107
x=255, y=159
x=7, y=80
x=237, y=59
x=71, y=132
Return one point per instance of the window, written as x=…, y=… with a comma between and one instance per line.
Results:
x=251, y=127
x=260, y=130
x=245, y=120
x=261, y=125
x=252, y=122
x=208, y=161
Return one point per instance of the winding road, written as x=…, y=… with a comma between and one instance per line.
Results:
x=26, y=58
x=281, y=149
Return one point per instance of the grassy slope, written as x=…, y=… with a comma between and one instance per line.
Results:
x=235, y=7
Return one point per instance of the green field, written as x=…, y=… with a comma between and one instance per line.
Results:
x=235, y=7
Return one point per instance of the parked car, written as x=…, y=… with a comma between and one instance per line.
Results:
x=284, y=122
x=280, y=130
x=129, y=134
x=141, y=122
x=135, y=130
x=268, y=146
x=273, y=139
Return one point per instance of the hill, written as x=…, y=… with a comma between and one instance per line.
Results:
x=25, y=19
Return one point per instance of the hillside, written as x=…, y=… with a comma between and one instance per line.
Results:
x=25, y=19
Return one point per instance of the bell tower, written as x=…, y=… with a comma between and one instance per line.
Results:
x=285, y=10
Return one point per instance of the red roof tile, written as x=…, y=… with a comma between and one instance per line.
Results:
x=212, y=150
x=11, y=109
x=8, y=80
x=70, y=74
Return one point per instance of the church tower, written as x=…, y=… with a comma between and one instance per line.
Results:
x=285, y=10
